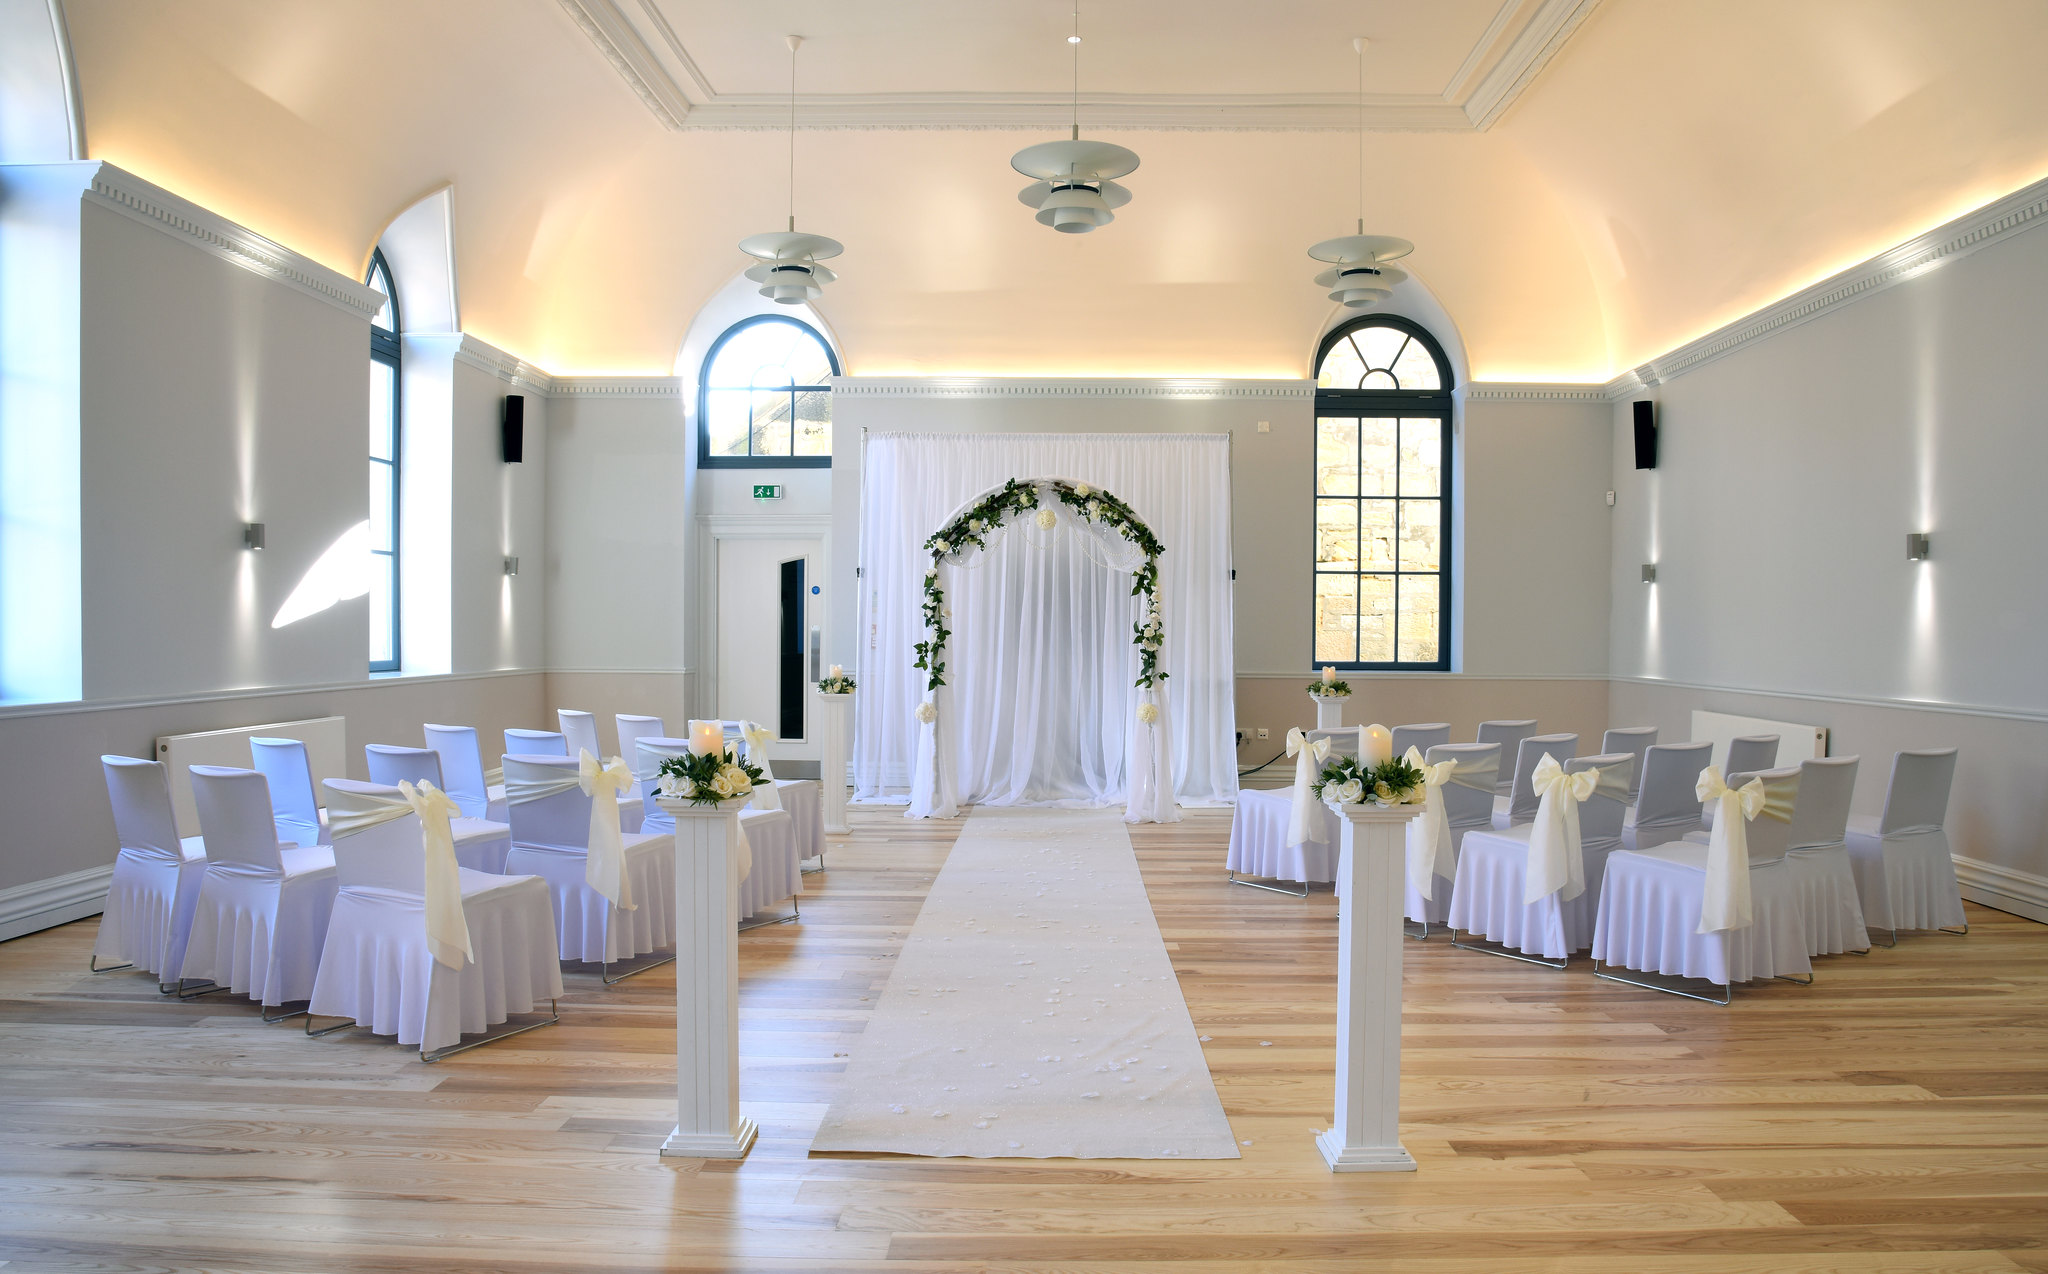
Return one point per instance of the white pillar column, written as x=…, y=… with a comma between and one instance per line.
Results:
x=833, y=714
x=1329, y=711
x=1371, y=868
x=708, y=1120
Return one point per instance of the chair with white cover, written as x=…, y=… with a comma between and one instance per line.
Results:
x=1819, y=857
x=579, y=731
x=1634, y=740
x=1667, y=802
x=480, y=844
x=156, y=879
x=1467, y=797
x=419, y=946
x=1509, y=734
x=801, y=797
x=632, y=729
x=294, y=804
x=263, y=903
x=1725, y=912
x=1421, y=737
x=1492, y=896
x=1519, y=805
x=476, y=792
x=556, y=836
x=1267, y=818
x=1747, y=754
x=771, y=864
x=537, y=743
x=1904, y=871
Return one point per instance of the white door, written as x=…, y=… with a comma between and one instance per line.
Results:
x=758, y=669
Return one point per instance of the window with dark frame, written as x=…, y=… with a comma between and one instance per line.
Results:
x=384, y=452
x=1382, y=491
x=764, y=399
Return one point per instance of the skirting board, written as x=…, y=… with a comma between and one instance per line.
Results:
x=43, y=904
x=2020, y=892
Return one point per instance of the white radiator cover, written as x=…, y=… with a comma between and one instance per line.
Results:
x=326, y=740
x=1797, y=741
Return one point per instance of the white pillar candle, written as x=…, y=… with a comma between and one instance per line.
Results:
x=1329, y=675
x=706, y=737
x=836, y=673
x=1379, y=744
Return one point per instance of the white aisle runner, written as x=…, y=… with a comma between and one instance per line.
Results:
x=1033, y=1012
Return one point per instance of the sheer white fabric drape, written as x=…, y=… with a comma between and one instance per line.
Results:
x=1039, y=707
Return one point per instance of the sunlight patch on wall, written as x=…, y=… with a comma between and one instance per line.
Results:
x=336, y=576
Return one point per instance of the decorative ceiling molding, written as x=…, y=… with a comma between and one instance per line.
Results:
x=507, y=367
x=153, y=206
x=607, y=27
x=1169, y=387
x=1503, y=63
x=1500, y=391
x=2017, y=211
x=616, y=387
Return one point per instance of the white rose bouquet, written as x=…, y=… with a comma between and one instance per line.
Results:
x=708, y=778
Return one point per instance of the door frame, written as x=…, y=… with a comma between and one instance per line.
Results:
x=714, y=527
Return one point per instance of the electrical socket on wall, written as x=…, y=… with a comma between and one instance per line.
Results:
x=1610, y=499
x=1265, y=426
x=1261, y=733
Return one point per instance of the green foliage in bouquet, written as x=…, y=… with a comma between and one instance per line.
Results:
x=708, y=778
x=1346, y=780
x=1332, y=690
x=839, y=685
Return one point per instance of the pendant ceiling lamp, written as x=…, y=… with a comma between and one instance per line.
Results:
x=1074, y=192
x=1359, y=275
x=789, y=271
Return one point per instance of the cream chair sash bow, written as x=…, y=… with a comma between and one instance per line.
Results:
x=605, y=864
x=1429, y=836
x=1726, y=902
x=350, y=811
x=447, y=927
x=1557, y=860
x=1304, y=821
x=758, y=738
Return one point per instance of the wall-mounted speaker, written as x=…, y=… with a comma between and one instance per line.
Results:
x=1646, y=435
x=512, y=429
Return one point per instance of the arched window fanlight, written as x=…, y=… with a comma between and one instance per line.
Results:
x=765, y=397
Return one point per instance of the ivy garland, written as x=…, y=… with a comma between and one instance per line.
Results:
x=981, y=520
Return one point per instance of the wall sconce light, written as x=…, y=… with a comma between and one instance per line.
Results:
x=1916, y=546
x=252, y=536
x=511, y=566
x=1649, y=573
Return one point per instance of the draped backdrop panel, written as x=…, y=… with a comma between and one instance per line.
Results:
x=1039, y=700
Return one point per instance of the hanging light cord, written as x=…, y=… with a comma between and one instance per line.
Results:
x=1075, y=41
x=1359, y=44
x=793, y=43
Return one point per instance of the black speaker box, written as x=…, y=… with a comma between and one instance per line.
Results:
x=512, y=430
x=1646, y=435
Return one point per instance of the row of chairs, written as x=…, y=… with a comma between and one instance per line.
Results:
x=288, y=902
x=1819, y=879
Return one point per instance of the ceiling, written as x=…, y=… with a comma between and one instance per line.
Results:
x=1589, y=182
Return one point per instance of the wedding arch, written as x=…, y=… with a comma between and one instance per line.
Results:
x=1111, y=533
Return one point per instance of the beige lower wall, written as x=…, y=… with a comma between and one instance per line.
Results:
x=1578, y=704
x=1997, y=813
x=54, y=799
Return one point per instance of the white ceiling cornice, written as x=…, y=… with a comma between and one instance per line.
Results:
x=1503, y=63
x=1172, y=387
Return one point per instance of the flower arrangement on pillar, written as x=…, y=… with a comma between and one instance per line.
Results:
x=836, y=682
x=707, y=778
x=1350, y=781
x=1329, y=687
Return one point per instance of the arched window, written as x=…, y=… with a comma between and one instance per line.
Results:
x=384, y=455
x=1382, y=497
x=764, y=399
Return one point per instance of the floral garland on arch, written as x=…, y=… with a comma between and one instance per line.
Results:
x=972, y=529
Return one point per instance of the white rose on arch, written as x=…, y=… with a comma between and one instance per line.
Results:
x=1046, y=518
x=927, y=712
x=1083, y=490
x=1148, y=713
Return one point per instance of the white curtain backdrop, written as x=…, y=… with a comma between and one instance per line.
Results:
x=1039, y=707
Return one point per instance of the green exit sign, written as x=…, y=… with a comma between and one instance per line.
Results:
x=767, y=491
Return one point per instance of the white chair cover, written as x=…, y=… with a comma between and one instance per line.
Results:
x=1666, y=804
x=389, y=765
x=479, y=794
x=155, y=886
x=757, y=738
x=770, y=848
x=579, y=732
x=377, y=966
x=1751, y=754
x=1654, y=902
x=535, y=743
x=551, y=819
x=631, y=730
x=480, y=845
x=1421, y=737
x=1491, y=894
x=805, y=801
x=1905, y=874
x=294, y=804
x=263, y=904
x=422, y=862
x=1634, y=740
x=1468, y=804
x=1258, y=836
x=1819, y=857
x=1509, y=735
x=1519, y=806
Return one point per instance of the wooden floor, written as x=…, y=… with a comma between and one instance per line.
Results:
x=1892, y=1117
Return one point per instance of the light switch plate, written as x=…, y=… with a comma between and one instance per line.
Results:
x=1265, y=426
